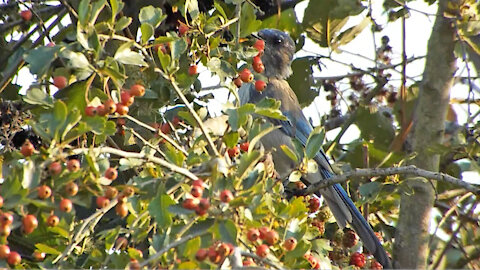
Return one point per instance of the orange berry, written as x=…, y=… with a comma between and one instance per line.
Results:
x=27, y=148
x=14, y=258
x=262, y=251
x=137, y=90
x=226, y=196
x=44, y=192
x=233, y=152
x=26, y=15
x=110, y=106
x=53, y=221
x=246, y=75
x=122, y=109
x=90, y=111
x=71, y=189
x=121, y=209
x=259, y=68
x=60, y=82
x=4, y=251
x=126, y=98
x=260, y=85
x=244, y=146
x=192, y=70
x=102, y=202
x=30, y=223
x=66, y=205
x=290, y=244
x=182, y=29
x=111, y=173
x=238, y=82
x=73, y=165
x=259, y=45
x=55, y=168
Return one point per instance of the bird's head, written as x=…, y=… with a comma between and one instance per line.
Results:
x=278, y=53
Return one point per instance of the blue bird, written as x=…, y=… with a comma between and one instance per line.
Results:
x=277, y=58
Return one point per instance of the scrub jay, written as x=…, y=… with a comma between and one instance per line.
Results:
x=277, y=57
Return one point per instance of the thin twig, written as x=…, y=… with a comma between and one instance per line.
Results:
x=411, y=169
x=150, y=158
x=263, y=260
x=172, y=245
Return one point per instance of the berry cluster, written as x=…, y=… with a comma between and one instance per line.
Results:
x=246, y=76
x=216, y=253
x=127, y=97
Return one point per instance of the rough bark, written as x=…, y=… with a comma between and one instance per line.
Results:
x=411, y=240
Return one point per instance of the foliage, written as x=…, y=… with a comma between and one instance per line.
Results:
x=164, y=145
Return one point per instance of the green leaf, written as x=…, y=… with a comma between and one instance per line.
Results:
x=192, y=8
x=323, y=24
x=348, y=35
x=269, y=107
x=376, y=126
x=248, y=21
x=40, y=59
x=122, y=23
x=126, y=56
x=247, y=162
x=97, y=7
x=238, y=117
x=83, y=12
x=177, y=48
x=38, y=97
x=158, y=208
x=289, y=152
x=147, y=32
x=165, y=60
x=221, y=68
x=188, y=265
x=370, y=190
x=76, y=60
x=231, y=139
x=191, y=247
x=47, y=249
x=302, y=81
x=227, y=231
x=301, y=248
x=151, y=15
x=315, y=142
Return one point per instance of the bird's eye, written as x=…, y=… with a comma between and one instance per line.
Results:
x=277, y=40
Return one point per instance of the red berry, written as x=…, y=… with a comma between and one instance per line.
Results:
x=238, y=82
x=39, y=256
x=262, y=251
x=137, y=90
x=26, y=15
x=196, y=191
x=53, y=221
x=30, y=223
x=110, y=106
x=314, y=204
x=204, y=204
x=14, y=258
x=128, y=191
x=60, y=82
x=263, y=232
x=90, y=111
x=192, y=70
x=290, y=244
x=126, y=98
x=226, y=196
x=121, y=209
x=165, y=128
x=213, y=255
x=256, y=60
x=73, y=165
x=244, y=146
x=121, y=243
x=4, y=251
x=259, y=67
x=349, y=238
x=253, y=234
x=111, y=173
x=259, y=45
x=271, y=237
x=101, y=110
x=248, y=262
x=246, y=75
x=201, y=254
x=5, y=230
x=44, y=192
x=374, y=265
x=55, y=168
x=260, y=85
x=122, y=109
x=1, y=201
x=66, y=205
x=71, y=189
x=111, y=192
x=102, y=202
x=199, y=183
x=224, y=249
x=233, y=152
x=6, y=219
x=190, y=204
x=182, y=29
x=27, y=148
x=357, y=259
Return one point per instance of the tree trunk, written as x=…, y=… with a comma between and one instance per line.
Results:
x=411, y=240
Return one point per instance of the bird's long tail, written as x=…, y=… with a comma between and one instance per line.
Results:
x=338, y=202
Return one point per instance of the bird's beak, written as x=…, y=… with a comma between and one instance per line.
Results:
x=255, y=35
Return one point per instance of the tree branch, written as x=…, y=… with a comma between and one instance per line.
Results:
x=411, y=170
x=257, y=258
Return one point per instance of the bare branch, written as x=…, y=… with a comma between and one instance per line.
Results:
x=411, y=170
